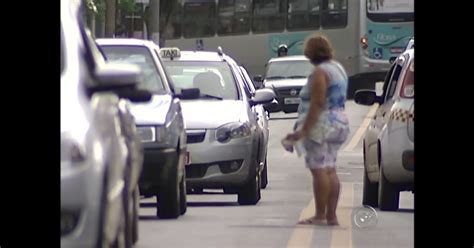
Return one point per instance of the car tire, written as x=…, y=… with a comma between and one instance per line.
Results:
x=389, y=195
x=168, y=206
x=182, y=196
x=264, y=175
x=249, y=194
x=370, y=192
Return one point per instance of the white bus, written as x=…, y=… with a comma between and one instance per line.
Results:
x=251, y=30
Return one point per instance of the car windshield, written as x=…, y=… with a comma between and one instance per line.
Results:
x=140, y=56
x=214, y=79
x=289, y=69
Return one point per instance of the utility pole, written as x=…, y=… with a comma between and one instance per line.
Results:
x=154, y=8
x=110, y=10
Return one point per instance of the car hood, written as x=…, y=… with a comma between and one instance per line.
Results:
x=211, y=114
x=153, y=112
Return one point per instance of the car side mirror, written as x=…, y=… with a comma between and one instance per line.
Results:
x=366, y=97
x=189, y=94
x=122, y=80
x=262, y=96
x=115, y=76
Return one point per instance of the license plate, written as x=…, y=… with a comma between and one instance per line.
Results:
x=292, y=100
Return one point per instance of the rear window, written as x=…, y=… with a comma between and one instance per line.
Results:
x=212, y=78
x=140, y=56
x=408, y=87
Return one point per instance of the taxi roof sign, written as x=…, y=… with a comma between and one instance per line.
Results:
x=170, y=52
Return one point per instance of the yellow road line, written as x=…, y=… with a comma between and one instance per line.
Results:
x=303, y=236
x=341, y=237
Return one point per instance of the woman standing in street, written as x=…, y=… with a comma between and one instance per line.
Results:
x=322, y=126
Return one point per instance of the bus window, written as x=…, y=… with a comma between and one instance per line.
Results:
x=199, y=19
x=303, y=14
x=334, y=14
x=268, y=16
x=234, y=17
x=170, y=19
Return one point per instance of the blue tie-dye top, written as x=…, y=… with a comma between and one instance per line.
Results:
x=333, y=116
x=336, y=91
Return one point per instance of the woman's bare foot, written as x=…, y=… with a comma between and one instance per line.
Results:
x=332, y=221
x=313, y=221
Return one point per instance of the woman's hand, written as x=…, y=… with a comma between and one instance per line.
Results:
x=297, y=135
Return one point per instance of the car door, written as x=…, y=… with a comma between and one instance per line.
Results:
x=379, y=118
x=382, y=115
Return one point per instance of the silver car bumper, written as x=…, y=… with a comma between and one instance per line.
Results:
x=217, y=165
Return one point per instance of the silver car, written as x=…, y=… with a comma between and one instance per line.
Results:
x=161, y=126
x=262, y=120
x=223, y=132
x=286, y=76
x=94, y=153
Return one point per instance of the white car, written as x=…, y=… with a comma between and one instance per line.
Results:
x=389, y=140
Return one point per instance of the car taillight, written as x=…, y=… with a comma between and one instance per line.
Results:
x=364, y=42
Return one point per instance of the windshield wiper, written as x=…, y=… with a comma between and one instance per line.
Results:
x=297, y=76
x=276, y=77
x=211, y=96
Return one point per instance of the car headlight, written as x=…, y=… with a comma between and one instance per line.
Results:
x=232, y=130
x=149, y=134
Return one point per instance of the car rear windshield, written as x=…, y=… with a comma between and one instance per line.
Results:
x=214, y=79
x=140, y=56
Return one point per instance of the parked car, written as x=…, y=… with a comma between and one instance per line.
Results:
x=262, y=120
x=389, y=141
x=223, y=131
x=160, y=124
x=97, y=156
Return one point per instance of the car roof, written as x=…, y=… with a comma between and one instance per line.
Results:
x=289, y=58
x=126, y=42
x=198, y=56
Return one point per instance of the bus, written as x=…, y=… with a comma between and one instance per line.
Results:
x=250, y=31
x=386, y=30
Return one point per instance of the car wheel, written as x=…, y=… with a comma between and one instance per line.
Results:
x=388, y=193
x=168, y=206
x=370, y=192
x=182, y=196
x=249, y=194
x=264, y=175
